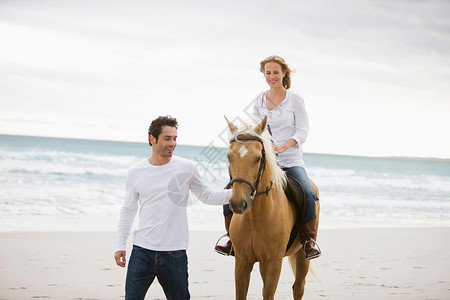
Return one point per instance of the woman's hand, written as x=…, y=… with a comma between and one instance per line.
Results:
x=279, y=148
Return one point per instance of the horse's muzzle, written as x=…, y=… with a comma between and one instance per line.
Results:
x=238, y=207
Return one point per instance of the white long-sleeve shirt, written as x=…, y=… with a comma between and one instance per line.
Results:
x=161, y=193
x=287, y=121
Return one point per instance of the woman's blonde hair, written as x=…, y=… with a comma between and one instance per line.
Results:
x=284, y=67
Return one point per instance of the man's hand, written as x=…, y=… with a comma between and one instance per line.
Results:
x=121, y=258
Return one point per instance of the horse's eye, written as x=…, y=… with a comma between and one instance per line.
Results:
x=257, y=160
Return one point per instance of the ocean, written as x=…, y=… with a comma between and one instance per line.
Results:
x=54, y=184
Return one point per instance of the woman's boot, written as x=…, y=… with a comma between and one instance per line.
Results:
x=310, y=246
x=226, y=249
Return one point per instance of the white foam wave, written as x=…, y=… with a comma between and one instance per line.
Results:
x=64, y=163
x=344, y=178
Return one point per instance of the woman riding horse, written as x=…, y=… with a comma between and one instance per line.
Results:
x=288, y=125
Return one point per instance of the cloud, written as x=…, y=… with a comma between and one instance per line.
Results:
x=105, y=63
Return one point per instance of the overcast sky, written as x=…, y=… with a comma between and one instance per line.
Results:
x=375, y=75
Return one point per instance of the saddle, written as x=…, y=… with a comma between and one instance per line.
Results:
x=294, y=192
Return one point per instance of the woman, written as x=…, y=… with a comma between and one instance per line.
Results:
x=288, y=124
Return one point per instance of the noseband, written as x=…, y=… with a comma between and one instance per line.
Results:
x=262, y=167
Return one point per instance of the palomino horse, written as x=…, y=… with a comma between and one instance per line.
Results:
x=263, y=217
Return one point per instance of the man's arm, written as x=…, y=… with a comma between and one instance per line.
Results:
x=127, y=214
x=206, y=194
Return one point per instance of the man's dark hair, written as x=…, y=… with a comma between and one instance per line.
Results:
x=157, y=125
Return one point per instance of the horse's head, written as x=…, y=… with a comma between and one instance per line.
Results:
x=246, y=156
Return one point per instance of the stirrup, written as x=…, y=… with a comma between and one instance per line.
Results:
x=312, y=256
x=223, y=252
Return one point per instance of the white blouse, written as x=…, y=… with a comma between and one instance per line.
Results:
x=287, y=121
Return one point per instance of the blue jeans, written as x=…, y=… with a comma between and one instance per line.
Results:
x=170, y=267
x=298, y=173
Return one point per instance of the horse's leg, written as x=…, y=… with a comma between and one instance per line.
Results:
x=270, y=273
x=242, y=270
x=301, y=269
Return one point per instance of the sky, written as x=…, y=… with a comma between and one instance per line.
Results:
x=375, y=75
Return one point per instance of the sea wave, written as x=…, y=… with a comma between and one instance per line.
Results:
x=64, y=163
x=68, y=184
x=352, y=179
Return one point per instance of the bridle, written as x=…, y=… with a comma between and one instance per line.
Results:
x=262, y=167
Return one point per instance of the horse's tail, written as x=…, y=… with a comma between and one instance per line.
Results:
x=293, y=264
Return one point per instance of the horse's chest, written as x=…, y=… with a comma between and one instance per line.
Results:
x=258, y=238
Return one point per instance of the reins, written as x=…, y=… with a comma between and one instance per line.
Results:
x=262, y=167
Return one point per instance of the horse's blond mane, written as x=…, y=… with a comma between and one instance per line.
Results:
x=277, y=175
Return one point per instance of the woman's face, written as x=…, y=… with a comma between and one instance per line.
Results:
x=273, y=74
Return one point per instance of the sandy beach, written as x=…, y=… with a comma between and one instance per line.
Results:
x=387, y=263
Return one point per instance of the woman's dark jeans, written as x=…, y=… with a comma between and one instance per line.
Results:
x=299, y=173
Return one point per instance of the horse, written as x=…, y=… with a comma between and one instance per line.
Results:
x=263, y=216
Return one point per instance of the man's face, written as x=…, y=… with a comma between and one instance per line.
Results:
x=167, y=141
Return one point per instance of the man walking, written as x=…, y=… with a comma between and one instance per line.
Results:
x=159, y=188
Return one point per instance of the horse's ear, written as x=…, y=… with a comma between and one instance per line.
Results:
x=231, y=126
x=261, y=126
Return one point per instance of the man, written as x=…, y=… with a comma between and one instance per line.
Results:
x=159, y=187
